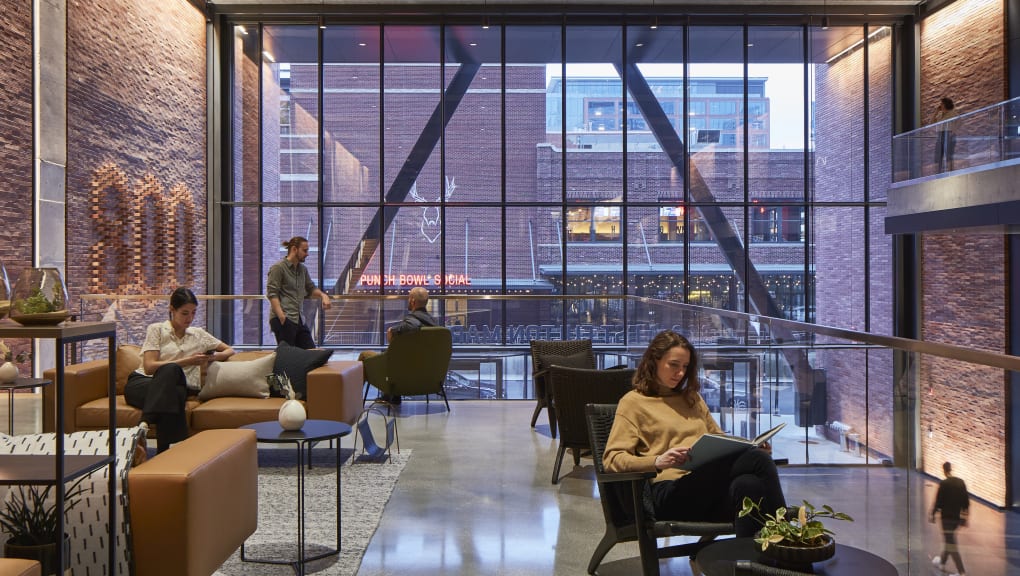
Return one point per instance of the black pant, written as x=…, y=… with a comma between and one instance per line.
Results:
x=949, y=548
x=716, y=491
x=161, y=399
x=291, y=332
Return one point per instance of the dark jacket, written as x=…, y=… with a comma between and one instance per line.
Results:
x=951, y=498
x=413, y=321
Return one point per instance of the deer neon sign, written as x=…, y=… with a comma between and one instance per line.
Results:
x=431, y=224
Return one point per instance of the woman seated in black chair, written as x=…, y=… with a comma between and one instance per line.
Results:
x=658, y=421
x=173, y=355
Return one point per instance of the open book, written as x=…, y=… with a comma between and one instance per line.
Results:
x=713, y=446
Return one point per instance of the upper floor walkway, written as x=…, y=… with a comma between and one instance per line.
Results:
x=958, y=174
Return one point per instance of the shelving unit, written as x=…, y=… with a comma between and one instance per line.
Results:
x=58, y=469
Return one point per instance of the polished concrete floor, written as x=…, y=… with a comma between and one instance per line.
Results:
x=476, y=498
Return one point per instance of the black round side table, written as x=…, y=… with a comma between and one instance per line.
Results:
x=313, y=431
x=721, y=558
x=19, y=383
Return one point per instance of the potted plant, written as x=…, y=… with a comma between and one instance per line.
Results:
x=794, y=536
x=29, y=517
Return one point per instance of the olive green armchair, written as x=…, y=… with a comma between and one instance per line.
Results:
x=414, y=364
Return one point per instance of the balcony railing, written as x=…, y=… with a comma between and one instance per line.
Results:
x=983, y=137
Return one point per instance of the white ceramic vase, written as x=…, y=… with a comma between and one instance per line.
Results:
x=8, y=372
x=292, y=415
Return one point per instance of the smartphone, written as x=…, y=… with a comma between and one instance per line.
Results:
x=210, y=352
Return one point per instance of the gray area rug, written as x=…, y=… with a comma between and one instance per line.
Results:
x=365, y=489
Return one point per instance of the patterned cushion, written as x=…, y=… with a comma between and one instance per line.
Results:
x=245, y=379
x=87, y=525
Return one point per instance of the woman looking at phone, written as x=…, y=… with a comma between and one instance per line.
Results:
x=173, y=355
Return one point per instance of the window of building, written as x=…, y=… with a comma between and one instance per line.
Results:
x=593, y=223
x=777, y=223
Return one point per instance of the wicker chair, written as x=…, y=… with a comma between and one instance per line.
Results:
x=572, y=390
x=622, y=496
x=546, y=353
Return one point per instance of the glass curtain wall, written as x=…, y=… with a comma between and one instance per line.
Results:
x=740, y=167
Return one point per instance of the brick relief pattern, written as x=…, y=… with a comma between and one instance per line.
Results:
x=133, y=222
x=964, y=279
x=136, y=89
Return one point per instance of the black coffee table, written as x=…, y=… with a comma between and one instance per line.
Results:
x=720, y=559
x=313, y=431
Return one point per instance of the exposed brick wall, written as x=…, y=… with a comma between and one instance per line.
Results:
x=136, y=146
x=16, y=134
x=964, y=281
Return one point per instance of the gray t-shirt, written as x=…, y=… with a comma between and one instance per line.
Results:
x=291, y=284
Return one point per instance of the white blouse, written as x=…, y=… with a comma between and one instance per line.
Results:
x=160, y=337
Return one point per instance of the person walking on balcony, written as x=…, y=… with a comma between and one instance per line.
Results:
x=417, y=316
x=173, y=355
x=288, y=285
x=945, y=143
x=953, y=501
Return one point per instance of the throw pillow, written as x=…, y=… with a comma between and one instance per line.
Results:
x=296, y=363
x=243, y=378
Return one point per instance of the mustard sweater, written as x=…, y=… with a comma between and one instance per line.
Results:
x=646, y=426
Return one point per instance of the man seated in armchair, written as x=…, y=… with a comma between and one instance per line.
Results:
x=416, y=317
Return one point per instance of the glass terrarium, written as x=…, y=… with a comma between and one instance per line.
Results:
x=39, y=297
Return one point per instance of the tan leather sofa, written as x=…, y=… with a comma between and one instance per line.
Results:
x=192, y=506
x=334, y=393
x=19, y=567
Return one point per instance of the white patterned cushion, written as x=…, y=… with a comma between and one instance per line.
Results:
x=87, y=525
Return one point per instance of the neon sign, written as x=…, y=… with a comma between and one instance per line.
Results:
x=414, y=280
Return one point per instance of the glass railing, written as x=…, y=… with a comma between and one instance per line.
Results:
x=982, y=137
x=884, y=411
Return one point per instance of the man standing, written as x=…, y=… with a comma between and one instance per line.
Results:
x=416, y=317
x=954, y=502
x=286, y=288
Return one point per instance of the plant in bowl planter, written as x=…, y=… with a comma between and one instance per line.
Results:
x=30, y=518
x=794, y=536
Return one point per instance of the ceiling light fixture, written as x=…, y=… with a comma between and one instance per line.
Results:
x=825, y=15
x=655, y=18
x=485, y=15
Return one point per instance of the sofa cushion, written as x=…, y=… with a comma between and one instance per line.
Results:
x=296, y=363
x=246, y=379
x=232, y=412
x=129, y=358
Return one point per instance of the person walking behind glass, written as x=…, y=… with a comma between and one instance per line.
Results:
x=286, y=288
x=173, y=355
x=953, y=501
x=945, y=143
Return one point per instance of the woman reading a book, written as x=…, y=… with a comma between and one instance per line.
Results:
x=657, y=422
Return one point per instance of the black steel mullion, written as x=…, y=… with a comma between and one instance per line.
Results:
x=808, y=172
x=502, y=175
x=442, y=161
x=382, y=247
x=259, y=163
x=685, y=278
x=746, y=301
x=321, y=136
x=867, y=190
x=626, y=154
x=563, y=175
